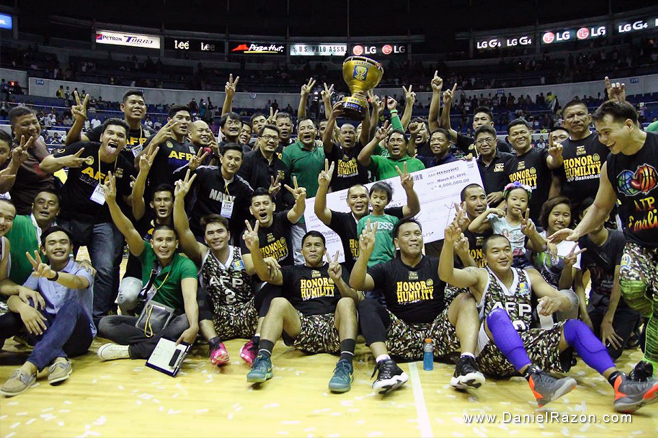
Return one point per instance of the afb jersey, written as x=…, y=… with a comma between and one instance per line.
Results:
x=134, y=142
x=226, y=284
x=310, y=290
x=634, y=178
x=516, y=300
x=582, y=161
x=413, y=294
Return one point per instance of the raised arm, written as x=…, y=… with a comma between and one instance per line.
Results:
x=229, y=89
x=359, y=277
x=326, y=100
x=409, y=101
x=535, y=241
x=52, y=164
x=303, y=98
x=615, y=91
x=190, y=246
x=448, y=97
x=413, y=203
x=299, y=194
x=481, y=223
x=327, y=140
x=134, y=240
x=43, y=270
x=324, y=179
x=145, y=163
x=569, y=272
x=435, y=103
x=18, y=156
x=79, y=111
x=262, y=270
x=336, y=274
x=473, y=278
x=369, y=149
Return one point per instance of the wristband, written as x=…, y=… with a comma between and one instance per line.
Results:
x=393, y=111
x=56, y=277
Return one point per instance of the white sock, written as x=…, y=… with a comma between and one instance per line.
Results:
x=382, y=358
x=469, y=355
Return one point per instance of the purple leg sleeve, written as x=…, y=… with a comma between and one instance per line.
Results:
x=507, y=339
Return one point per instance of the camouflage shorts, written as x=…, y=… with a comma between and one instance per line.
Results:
x=542, y=346
x=235, y=320
x=451, y=293
x=640, y=264
x=406, y=340
x=318, y=334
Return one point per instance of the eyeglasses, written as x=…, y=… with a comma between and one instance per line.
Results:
x=270, y=137
x=486, y=140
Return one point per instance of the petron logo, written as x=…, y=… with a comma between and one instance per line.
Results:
x=273, y=49
x=128, y=39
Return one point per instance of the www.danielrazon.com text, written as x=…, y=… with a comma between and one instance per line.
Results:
x=546, y=417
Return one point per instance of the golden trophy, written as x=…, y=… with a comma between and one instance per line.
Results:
x=361, y=74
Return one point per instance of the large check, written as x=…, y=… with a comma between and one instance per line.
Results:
x=438, y=189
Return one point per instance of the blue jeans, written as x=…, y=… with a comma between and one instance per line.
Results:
x=104, y=243
x=68, y=334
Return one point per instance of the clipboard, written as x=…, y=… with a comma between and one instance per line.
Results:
x=167, y=357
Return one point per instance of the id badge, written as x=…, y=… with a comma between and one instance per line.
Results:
x=136, y=150
x=99, y=195
x=227, y=209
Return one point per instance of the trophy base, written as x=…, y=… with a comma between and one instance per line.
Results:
x=354, y=108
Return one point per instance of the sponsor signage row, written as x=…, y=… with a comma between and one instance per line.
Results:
x=257, y=48
x=194, y=45
x=128, y=39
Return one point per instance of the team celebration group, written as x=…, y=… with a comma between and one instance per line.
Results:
x=553, y=259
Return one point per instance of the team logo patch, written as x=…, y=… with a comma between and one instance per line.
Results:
x=118, y=173
x=533, y=171
x=521, y=165
x=596, y=157
x=89, y=160
x=170, y=145
x=625, y=260
x=238, y=265
x=580, y=150
x=523, y=288
x=499, y=167
x=413, y=275
x=270, y=238
x=643, y=180
x=315, y=274
x=429, y=282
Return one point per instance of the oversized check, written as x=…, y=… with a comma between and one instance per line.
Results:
x=438, y=189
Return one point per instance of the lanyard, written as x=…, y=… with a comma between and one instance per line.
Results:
x=99, y=164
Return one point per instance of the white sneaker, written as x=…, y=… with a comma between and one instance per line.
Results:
x=113, y=352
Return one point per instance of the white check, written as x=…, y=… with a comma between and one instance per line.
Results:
x=438, y=189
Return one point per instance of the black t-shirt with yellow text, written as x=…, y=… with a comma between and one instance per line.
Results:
x=531, y=169
x=311, y=290
x=82, y=181
x=136, y=138
x=580, y=172
x=274, y=241
x=413, y=294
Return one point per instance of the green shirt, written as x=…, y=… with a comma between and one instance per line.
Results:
x=305, y=165
x=168, y=280
x=384, y=247
x=22, y=238
x=384, y=167
x=653, y=127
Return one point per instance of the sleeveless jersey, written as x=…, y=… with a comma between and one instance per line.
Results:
x=516, y=300
x=226, y=284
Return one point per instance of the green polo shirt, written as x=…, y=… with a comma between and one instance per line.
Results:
x=305, y=165
x=168, y=281
x=653, y=127
x=384, y=167
x=23, y=238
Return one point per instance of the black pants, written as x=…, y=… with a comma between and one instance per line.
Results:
x=122, y=330
x=374, y=321
x=624, y=322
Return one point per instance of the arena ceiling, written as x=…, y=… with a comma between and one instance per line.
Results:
x=437, y=20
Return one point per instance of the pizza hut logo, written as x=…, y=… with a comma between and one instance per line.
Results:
x=274, y=49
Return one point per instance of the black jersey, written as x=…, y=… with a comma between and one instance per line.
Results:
x=495, y=176
x=413, y=294
x=275, y=241
x=531, y=169
x=228, y=283
x=311, y=290
x=634, y=179
x=582, y=161
x=475, y=241
x=348, y=171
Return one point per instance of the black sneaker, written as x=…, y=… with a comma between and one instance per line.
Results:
x=389, y=378
x=467, y=375
x=642, y=372
x=547, y=388
x=631, y=395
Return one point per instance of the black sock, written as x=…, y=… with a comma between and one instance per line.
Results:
x=265, y=347
x=532, y=369
x=255, y=340
x=347, y=349
x=613, y=377
x=214, y=343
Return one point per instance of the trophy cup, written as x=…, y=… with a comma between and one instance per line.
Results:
x=361, y=74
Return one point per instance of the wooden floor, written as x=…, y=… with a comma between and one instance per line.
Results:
x=126, y=399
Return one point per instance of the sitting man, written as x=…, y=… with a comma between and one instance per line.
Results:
x=228, y=311
x=173, y=283
x=55, y=306
x=416, y=310
x=504, y=294
x=311, y=315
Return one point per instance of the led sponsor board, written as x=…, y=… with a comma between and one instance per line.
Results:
x=575, y=34
x=127, y=39
x=6, y=21
x=259, y=48
x=636, y=25
x=194, y=45
x=337, y=49
x=494, y=42
x=378, y=49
